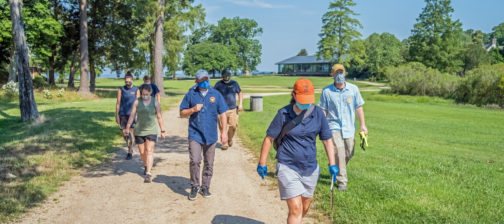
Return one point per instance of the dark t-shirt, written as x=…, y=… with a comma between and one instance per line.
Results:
x=228, y=91
x=155, y=89
x=298, y=150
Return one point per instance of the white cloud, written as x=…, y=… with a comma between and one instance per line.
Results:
x=258, y=3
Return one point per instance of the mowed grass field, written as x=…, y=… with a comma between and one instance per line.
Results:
x=428, y=161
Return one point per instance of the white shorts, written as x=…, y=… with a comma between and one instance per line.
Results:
x=292, y=184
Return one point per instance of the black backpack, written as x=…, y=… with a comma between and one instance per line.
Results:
x=292, y=124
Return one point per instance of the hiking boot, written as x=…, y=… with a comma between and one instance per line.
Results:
x=230, y=143
x=194, y=193
x=205, y=192
x=129, y=156
x=341, y=188
x=148, y=178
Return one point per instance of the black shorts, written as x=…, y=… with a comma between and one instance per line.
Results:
x=123, y=121
x=142, y=139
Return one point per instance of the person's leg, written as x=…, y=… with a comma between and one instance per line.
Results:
x=130, y=144
x=209, y=155
x=349, y=148
x=306, y=205
x=295, y=205
x=232, y=125
x=195, y=149
x=141, y=149
x=221, y=129
x=339, y=147
x=149, y=154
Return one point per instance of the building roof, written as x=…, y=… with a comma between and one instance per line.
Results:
x=302, y=60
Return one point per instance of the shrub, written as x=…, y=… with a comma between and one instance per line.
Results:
x=11, y=89
x=482, y=86
x=61, y=92
x=416, y=79
x=39, y=82
x=47, y=94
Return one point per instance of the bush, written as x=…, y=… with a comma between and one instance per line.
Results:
x=61, y=92
x=11, y=89
x=39, y=82
x=47, y=94
x=416, y=79
x=482, y=86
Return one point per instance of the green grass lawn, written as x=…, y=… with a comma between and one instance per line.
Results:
x=428, y=161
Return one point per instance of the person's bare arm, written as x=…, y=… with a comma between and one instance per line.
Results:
x=188, y=112
x=223, y=120
x=160, y=118
x=360, y=115
x=329, y=148
x=240, y=101
x=266, y=146
x=118, y=105
x=132, y=116
x=138, y=94
x=158, y=98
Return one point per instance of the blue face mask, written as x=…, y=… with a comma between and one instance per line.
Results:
x=204, y=84
x=339, y=78
x=303, y=106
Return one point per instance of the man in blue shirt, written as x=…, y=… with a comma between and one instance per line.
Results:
x=126, y=97
x=155, y=89
x=340, y=101
x=229, y=89
x=203, y=105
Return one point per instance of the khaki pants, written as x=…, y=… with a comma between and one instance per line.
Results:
x=344, y=151
x=232, y=120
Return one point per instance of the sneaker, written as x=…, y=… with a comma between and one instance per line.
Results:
x=341, y=188
x=148, y=178
x=129, y=156
x=224, y=147
x=145, y=170
x=230, y=143
x=205, y=191
x=194, y=193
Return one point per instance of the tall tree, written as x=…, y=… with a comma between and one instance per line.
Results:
x=436, y=39
x=84, y=51
x=210, y=56
x=382, y=50
x=302, y=52
x=475, y=55
x=498, y=33
x=27, y=103
x=158, y=48
x=339, y=29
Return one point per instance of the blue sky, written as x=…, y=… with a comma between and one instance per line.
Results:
x=290, y=25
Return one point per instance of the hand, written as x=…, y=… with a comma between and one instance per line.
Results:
x=117, y=119
x=224, y=137
x=240, y=108
x=197, y=108
x=364, y=129
x=333, y=170
x=162, y=135
x=126, y=131
x=262, y=170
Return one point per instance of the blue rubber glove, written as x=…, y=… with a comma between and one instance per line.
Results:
x=262, y=170
x=333, y=170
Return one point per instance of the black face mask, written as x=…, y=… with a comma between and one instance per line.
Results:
x=128, y=84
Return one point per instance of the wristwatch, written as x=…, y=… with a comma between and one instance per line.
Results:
x=162, y=131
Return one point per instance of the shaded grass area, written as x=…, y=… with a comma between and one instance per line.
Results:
x=72, y=132
x=428, y=161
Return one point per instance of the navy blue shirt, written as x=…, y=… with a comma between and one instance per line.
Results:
x=203, y=124
x=228, y=91
x=155, y=89
x=128, y=98
x=298, y=150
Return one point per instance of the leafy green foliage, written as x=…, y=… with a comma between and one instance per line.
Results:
x=498, y=32
x=212, y=57
x=436, y=39
x=382, y=50
x=482, y=86
x=475, y=54
x=303, y=52
x=339, y=29
x=416, y=79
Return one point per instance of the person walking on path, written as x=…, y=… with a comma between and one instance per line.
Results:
x=229, y=89
x=155, y=89
x=148, y=111
x=293, y=131
x=126, y=97
x=203, y=105
x=340, y=101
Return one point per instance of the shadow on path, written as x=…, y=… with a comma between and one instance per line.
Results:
x=229, y=219
x=177, y=184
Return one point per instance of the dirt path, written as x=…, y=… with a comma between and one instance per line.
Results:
x=115, y=192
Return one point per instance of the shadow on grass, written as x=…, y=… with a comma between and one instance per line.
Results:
x=35, y=157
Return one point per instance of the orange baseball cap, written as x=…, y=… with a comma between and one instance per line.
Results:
x=305, y=94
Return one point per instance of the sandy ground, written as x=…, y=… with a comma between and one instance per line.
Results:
x=115, y=192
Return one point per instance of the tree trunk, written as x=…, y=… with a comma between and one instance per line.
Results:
x=73, y=69
x=92, y=81
x=247, y=73
x=27, y=103
x=84, y=51
x=51, y=65
x=158, y=49
x=12, y=64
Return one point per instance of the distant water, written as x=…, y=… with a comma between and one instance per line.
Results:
x=178, y=74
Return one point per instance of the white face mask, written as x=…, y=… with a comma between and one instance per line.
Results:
x=146, y=97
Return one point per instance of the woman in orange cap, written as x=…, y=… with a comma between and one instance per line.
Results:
x=293, y=132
